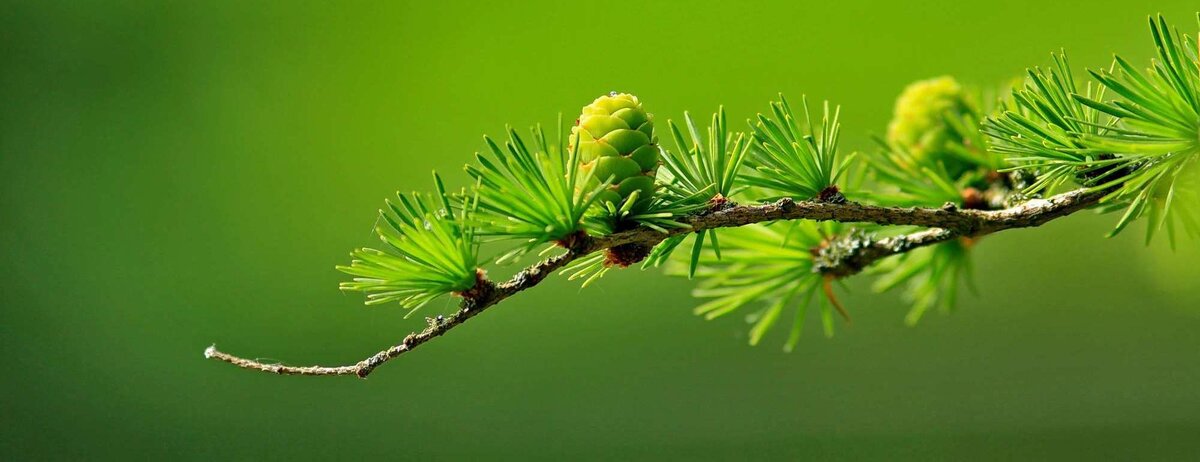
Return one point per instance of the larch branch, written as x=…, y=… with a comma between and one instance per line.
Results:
x=945, y=223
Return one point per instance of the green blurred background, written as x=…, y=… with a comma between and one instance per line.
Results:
x=182, y=173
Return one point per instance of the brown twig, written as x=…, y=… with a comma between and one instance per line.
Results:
x=946, y=223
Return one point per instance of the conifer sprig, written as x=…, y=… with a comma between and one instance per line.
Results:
x=705, y=170
x=429, y=251
x=705, y=165
x=1160, y=109
x=537, y=195
x=908, y=180
x=794, y=158
x=955, y=165
x=1044, y=130
x=1159, y=117
x=932, y=275
x=769, y=267
x=1142, y=148
x=660, y=212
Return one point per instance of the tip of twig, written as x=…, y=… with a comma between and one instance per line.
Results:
x=210, y=351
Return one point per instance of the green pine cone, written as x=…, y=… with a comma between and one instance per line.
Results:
x=616, y=140
x=918, y=124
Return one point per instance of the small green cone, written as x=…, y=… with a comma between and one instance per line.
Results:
x=919, y=122
x=616, y=140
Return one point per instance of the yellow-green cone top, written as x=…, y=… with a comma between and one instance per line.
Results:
x=616, y=140
x=918, y=124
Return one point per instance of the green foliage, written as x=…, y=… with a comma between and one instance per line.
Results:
x=1141, y=149
x=659, y=212
x=1159, y=126
x=936, y=149
x=1161, y=105
x=946, y=144
x=535, y=195
x=769, y=268
x=931, y=274
x=794, y=160
x=706, y=166
x=1044, y=130
x=908, y=180
x=429, y=251
x=936, y=153
x=705, y=170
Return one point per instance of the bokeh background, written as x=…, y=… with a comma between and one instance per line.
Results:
x=182, y=173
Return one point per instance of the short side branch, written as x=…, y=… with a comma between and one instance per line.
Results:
x=852, y=254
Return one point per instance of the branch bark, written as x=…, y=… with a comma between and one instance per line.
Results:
x=852, y=255
x=945, y=223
